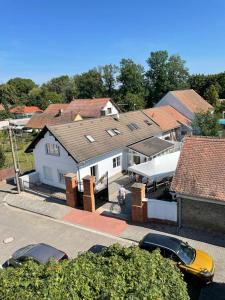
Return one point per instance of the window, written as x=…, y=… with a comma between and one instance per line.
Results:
x=132, y=126
x=47, y=173
x=116, y=161
x=61, y=175
x=94, y=170
x=102, y=113
x=109, y=110
x=90, y=138
x=113, y=131
x=52, y=149
x=148, y=122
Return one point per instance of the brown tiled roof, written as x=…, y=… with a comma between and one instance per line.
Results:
x=63, y=119
x=192, y=100
x=72, y=135
x=89, y=108
x=56, y=107
x=162, y=118
x=176, y=115
x=200, y=172
x=38, y=121
x=151, y=146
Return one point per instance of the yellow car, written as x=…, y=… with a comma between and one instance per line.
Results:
x=190, y=261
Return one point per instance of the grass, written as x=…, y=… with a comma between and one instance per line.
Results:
x=25, y=161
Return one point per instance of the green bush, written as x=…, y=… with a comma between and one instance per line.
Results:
x=116, y=273
x=2, y=157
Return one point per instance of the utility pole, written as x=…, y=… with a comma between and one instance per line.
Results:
x=14, y=160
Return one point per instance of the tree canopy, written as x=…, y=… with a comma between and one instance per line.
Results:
x=206, y=124
x=116, y=273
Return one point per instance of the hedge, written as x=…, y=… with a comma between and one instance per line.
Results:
x=116, y=273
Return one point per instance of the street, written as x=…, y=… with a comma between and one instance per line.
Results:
x=27, y=228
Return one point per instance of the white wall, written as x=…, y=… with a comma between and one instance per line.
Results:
x=66, y=164
x=162, y=210
x=63, y=162
x=110, y=105
x=170, y=99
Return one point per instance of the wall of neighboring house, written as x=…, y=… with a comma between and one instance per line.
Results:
x=203, y=215
x=171, y=100
x=49, y=166
x=110, y=109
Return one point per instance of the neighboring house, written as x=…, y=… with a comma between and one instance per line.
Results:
x=60, y=113
x=199, y=183
x=93, y=108
x=187, y=102
x=169, y=126
x=95, y=147
x=185, y=123
x=21, y=112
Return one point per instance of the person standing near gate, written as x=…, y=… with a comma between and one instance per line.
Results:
x=122, y=195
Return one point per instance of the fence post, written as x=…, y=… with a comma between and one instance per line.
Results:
x=139, y=207
x=71, y=189
x=89, y=196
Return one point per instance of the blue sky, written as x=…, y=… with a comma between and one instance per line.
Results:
x=40, y=39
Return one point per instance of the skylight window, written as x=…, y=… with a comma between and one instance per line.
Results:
x=132, y=126
x=148, y=122
x=90, y=138
x=113, y=131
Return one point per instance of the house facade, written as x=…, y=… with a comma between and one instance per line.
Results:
x=187, y=102
x=95, y=147
x=198, y=184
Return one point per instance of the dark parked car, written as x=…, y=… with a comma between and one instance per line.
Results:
x=40, y=253
x=190, y=261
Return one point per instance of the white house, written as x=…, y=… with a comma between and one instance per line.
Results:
x=95, y=147
x=187, y=102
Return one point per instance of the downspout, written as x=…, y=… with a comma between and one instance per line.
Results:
x=179, y=208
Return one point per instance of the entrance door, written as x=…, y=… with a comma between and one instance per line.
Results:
x=94, y=171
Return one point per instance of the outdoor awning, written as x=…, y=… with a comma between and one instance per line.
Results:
x=151, y=146
x=159, y=167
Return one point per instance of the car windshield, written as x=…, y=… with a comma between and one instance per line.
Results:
x=186, y=253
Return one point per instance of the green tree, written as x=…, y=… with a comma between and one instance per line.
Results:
x=22, y=86
x=89, y=84
x=211, y=95
x=108, y=73
x=7, y=95
x=57, y=84
x=41, y=97
x=165, y=73
x=206, y=124
x=2, y=157
x=116, y=273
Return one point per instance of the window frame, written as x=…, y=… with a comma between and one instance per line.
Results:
x=116, y=161
x=50, y=149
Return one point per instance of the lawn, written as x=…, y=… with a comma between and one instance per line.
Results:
x=25, y=161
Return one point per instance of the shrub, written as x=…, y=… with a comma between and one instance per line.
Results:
x=2, y=158
x=116, y=273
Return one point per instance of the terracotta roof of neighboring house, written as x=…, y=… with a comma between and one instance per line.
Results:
x=151, y=146
x=25, y=110
x=56, y=107
x=200, y=172
x=192, y=100
x=2, y=107
x=63, y=119
x=176, y=115
x=38, y=121
x=72, y=136
x=89, y=108
x=162, y=118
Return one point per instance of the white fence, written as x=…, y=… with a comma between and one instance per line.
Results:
x=162, y=210
x=26, y=181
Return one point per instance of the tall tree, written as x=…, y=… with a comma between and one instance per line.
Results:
x=22, y=87
x=165, y=73
x=57, y=84
x=206, y=124
x=131, y=92
x=41, y=97
x=211, y=95
x=108, y=73
x=8, y=95
x=89, y=84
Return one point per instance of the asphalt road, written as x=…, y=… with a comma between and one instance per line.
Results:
x=27, y=228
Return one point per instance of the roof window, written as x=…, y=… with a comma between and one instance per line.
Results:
x=113, y=131
x=148, y=122
x=132, y=126
x=90, y=138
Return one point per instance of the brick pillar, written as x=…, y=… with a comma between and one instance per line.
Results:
x=71, y=189
x=89, y=196
x=138, y=211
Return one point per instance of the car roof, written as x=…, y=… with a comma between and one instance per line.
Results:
x=41, y=253
x=163, y=241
